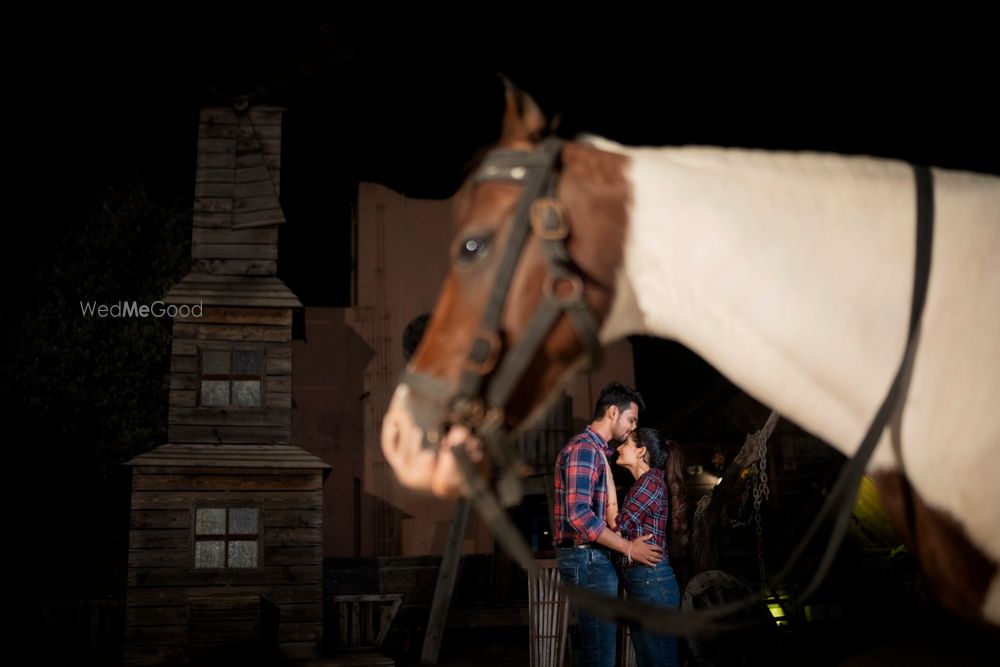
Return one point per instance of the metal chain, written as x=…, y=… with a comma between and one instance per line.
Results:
x=761, y=492
x=700, y=508
x=739, y=522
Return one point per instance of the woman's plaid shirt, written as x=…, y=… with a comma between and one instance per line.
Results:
x=645, y=511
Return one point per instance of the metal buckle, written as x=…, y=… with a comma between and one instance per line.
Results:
x=489, y=362
x=548, y=219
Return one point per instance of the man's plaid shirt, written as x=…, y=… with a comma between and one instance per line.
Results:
x=645, y=511
x=581, y=489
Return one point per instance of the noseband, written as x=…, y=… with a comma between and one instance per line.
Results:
x=490, y=373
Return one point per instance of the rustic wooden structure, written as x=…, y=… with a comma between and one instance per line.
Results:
x=548, y=616
x=225, y=548
x=364, y=622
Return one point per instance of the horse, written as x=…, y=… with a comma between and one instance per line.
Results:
x=790, y=272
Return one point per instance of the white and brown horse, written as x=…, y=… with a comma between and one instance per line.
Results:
x=791, y=273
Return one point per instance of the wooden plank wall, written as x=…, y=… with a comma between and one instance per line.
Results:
x=269, y=329
x=162, y=580
x=236, y=208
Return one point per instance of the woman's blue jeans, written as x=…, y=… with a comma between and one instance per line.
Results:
x=591, y=569
x=657, y=586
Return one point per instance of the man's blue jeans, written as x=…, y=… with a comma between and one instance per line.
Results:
x=656, y=586
x=591, y=569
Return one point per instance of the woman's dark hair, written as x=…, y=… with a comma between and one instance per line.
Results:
x=656, y=451
x=669, y=456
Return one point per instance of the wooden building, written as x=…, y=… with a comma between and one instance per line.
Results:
x=226, y=537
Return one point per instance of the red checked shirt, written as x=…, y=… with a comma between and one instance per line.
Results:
x=645, y=511
x=581, y=489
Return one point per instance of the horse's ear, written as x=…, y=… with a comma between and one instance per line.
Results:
x=523, y=120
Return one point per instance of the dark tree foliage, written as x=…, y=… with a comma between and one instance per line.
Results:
x=88, y=393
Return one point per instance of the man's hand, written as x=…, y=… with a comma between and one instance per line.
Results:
x=645, y=553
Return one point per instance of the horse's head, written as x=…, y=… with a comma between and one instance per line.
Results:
x=539, y=236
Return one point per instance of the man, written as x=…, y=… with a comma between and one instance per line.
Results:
x=584, y=488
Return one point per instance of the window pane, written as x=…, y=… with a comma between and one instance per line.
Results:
x=243, y=521
x=210, y=521
x=247, y=362
x=209, y=553
x=243, y=554
x=215, y=362
x=246, y=392
x=214, y=392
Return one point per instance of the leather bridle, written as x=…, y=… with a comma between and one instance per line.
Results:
x=488, y=377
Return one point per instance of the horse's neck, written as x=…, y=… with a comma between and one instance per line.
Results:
x=790, y=273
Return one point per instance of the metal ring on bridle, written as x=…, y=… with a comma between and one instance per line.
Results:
x=467, y=411
x=489, y=358
x=549, y=288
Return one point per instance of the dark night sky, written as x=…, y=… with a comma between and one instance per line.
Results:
x=108, y=97
x=408, y=100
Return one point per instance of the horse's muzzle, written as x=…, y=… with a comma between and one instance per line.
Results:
x=417, y=443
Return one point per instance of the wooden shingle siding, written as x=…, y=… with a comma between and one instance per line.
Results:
x=248, y=236
x=258, y=169
x=237, y=267
x=237, y=184
x=236, y=292
x=167, y=597
x=264, y=329
x=234, y=333
x=178, y=595
x=234, y=250
x=263, y=482
x=230, y=434
x=252, y=188
x=206, y=220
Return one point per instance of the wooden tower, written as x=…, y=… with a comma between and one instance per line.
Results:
x=225, y=548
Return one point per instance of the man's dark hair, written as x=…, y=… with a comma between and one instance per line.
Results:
x=619, y=395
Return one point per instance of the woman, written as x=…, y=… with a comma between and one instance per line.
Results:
x=644, y=511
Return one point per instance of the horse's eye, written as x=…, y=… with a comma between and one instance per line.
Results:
x=472, y=248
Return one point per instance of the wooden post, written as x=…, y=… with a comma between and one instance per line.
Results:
x=445, y=585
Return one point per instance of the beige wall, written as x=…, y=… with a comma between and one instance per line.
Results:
x=346, y=370
x=327, y=403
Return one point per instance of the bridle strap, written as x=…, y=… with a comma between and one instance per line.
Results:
x=482, y=394
x=549, y=224
x=539, y=179
x=844, y=492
